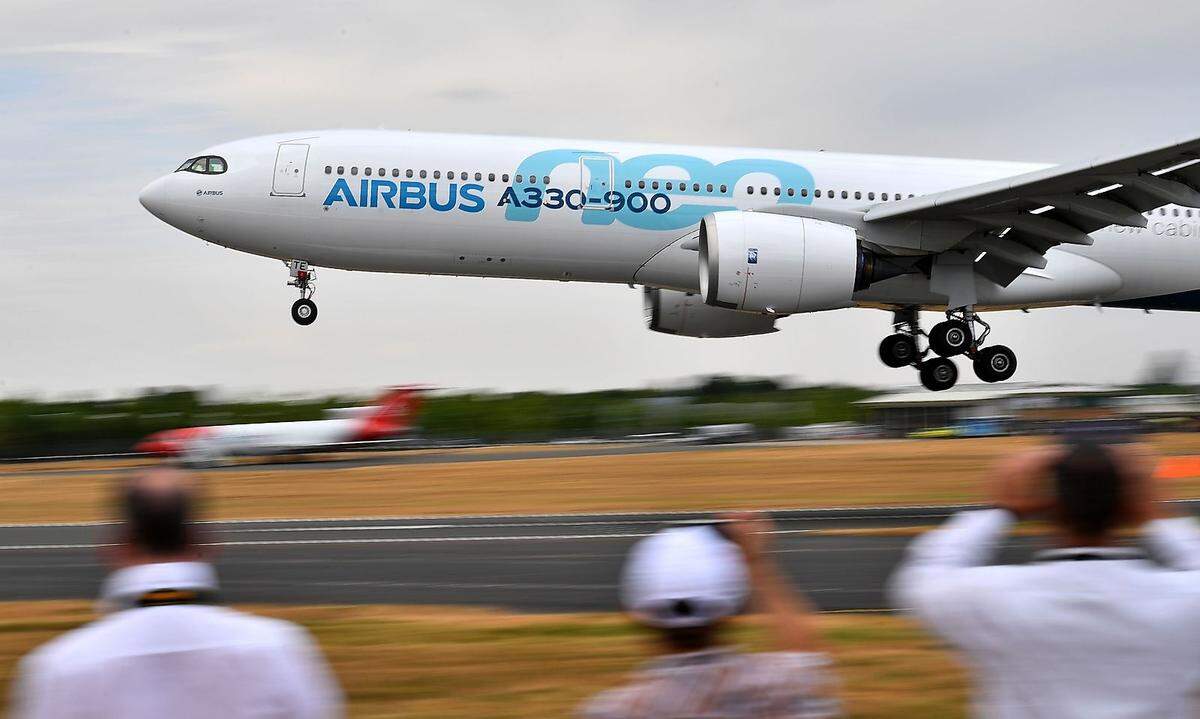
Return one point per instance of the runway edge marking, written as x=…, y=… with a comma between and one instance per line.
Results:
x=567, y=515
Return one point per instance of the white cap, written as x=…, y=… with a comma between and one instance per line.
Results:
x=684, y=577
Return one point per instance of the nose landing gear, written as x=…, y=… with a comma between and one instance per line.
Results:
x=956, y=336
x=304, y=310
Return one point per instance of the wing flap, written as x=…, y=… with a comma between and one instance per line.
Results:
x=1058, y=205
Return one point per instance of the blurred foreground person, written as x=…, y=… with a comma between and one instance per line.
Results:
x=163, y=647
x=684, y=582
x=1090, y=628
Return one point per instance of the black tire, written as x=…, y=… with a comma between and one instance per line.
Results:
x=995, y=364
x=950, y=338
x=898, y=350
x=304, y=312
x=938, y=374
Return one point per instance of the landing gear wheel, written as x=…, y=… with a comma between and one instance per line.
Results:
x=304, y=312
x=949, y=338
x=938, y=374
x=898, y=350
x=995, y=364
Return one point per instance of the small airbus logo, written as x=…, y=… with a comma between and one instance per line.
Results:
x=209, y=192
x=752, y=256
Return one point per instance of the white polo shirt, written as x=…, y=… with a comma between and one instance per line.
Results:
x=183, y=661
x=1092, y=633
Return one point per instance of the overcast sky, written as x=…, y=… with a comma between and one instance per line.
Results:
x=97, y=99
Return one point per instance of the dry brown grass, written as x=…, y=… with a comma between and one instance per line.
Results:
x=430, y=662
x=902, y=472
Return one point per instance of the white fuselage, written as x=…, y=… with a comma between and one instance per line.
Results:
x=600, y=211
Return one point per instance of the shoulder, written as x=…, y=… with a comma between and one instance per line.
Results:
x=794, y=669
x=615, y=703
x=71, y=647
x=800, y=684
x=267, y=631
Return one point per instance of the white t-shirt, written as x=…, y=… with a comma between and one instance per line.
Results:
x=1093, y=633
x=183, y=661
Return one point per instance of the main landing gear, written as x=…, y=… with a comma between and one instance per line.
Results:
x=963, y=333
x=304, y=310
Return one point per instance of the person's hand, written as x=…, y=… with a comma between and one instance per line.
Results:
x=750, y=531
x=1021, y=483
x=1143, y=495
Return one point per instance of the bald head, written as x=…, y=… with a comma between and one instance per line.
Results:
x=157, y=507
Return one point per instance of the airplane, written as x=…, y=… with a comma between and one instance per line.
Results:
x=392, y=415
x=723, y=241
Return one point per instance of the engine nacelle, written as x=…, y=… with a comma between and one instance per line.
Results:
x=684, y=313
x=777, y=264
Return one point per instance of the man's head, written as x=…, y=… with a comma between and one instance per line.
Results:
x=157, y=509
x=1090, y=491
x=684, y=581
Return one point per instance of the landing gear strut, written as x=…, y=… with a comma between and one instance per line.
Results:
x=304, y=310
x=963, y=333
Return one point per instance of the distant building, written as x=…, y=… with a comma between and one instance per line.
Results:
x=998, y=408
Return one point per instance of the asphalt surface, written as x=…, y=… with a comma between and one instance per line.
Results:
x=320, y=461
x=527, y=563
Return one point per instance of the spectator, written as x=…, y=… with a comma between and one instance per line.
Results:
x=684, y=582
x=163, y=647
x=1091, y=628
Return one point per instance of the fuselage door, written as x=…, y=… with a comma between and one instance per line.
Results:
x=290, y=162
x=596, y=181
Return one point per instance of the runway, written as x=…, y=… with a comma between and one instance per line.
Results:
x=526, y=563
x=318, y=461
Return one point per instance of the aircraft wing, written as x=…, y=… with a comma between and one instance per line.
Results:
x=1019, y=218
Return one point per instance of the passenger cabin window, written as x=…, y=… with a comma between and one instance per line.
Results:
x=353, y=170
x=329, y=169
x=207, y=165
x=367, y=171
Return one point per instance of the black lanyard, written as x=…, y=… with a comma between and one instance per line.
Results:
x=167, y=597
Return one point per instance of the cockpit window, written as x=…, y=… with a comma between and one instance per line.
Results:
x=207, y=165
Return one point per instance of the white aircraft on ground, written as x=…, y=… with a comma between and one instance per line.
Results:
x=725, y=241
x=392, y=415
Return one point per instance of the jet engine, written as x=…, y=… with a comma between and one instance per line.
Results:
x=780, y=264
x=684, y=313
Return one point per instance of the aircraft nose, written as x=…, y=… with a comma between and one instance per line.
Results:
x=153, y=197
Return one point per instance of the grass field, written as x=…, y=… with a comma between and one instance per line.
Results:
x=424, y=663
x=873, y=473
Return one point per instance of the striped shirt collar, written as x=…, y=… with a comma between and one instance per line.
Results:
x=124, y=586
x=1079, y=554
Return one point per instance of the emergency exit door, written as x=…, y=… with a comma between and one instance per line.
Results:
x=596, y=180
x=290, y=162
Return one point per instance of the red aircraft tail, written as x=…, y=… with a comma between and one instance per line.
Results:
x=394, y=414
